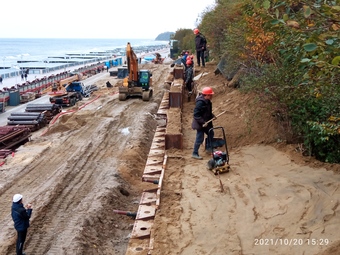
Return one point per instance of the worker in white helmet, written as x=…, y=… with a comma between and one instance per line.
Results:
x=21, y=217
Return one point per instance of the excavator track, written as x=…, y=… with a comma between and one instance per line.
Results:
x=147, y=95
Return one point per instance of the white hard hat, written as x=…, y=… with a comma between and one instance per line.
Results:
x=17, y=198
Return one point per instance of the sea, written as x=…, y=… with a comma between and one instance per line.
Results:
x=39, y=49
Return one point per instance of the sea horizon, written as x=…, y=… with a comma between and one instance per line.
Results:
x=13, y=50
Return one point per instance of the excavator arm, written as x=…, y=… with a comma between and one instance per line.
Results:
x=132, y=63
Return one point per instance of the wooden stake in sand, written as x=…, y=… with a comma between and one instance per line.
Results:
x=221, y=184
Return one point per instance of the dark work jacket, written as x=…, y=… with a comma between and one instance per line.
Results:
x=189, y=74
x=202, y=114
x=200, y=42
x=21, y=216
x=183, y=61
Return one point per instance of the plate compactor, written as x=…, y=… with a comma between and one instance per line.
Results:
x=219, y=163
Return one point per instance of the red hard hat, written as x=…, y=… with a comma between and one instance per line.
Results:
x=207, y=91
x=189, y=62
x=196, y=31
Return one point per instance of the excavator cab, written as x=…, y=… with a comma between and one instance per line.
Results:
x=145, y=79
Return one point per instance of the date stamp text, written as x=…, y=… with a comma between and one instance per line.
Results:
x=290, y=241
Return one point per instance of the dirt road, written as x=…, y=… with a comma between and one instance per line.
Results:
x=274, y=200
x=74, y=176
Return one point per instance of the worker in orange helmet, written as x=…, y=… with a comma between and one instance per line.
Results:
x=192, y=58
x=201, y=47
x=202, y=114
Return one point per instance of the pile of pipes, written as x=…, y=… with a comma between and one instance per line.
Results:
x=36, y=116
x=12, y=137
x=32, y=120
x=49, y=110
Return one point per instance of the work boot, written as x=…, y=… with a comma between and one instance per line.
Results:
x=196, y=156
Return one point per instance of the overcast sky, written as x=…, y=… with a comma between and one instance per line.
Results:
x=97, y=19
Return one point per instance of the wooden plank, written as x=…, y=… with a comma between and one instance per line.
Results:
x=151, y=176
x=154, y=160
x=159, y=139
x=162, y=112
x=146, y=212
x=160, y=133
x=142, y=229
x=164, y=104
x=153, y=169
x=148, y=198
x=138, y=247
x=156, y=152
x=158, y=143
x=152, y=241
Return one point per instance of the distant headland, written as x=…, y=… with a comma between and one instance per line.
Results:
x=164, y=36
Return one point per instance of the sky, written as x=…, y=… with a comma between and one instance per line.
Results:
x=135, y=19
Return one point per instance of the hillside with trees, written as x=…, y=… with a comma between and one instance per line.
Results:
x=288, y=53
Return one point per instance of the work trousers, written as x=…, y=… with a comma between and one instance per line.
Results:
x=20, y=241
x=200, y=138
x=200, y=57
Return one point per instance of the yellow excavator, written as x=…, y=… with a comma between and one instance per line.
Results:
x=138, y=82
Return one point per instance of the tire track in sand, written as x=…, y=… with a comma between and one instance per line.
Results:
x=65, y=215
x=58, y=177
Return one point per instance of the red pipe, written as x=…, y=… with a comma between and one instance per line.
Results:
x=88, y=102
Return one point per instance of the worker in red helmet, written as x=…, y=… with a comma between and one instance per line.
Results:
x=192, y=59
x=202, y=114
x=189, y=75
x=201, y=47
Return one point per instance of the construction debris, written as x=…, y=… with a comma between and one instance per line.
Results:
x=13, y=136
